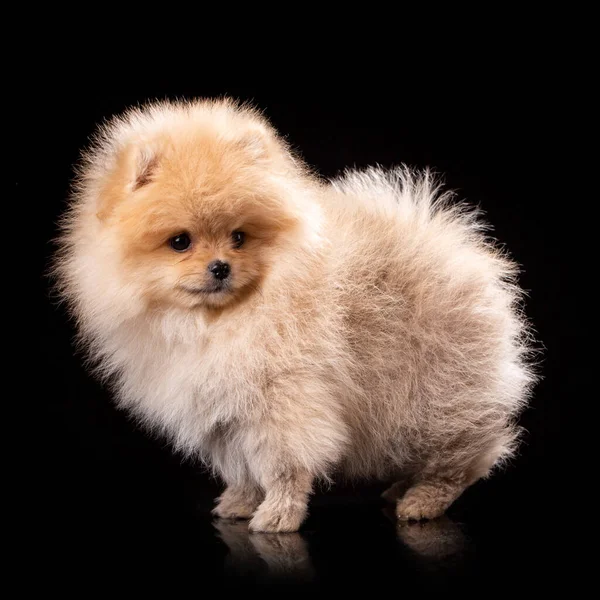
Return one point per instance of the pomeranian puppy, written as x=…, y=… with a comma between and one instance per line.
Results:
x=287, y=330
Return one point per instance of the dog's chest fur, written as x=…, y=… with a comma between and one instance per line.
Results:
x=188, y=378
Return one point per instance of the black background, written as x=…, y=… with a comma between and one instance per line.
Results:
x=118, y=501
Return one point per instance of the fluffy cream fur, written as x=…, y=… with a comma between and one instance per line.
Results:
x=368, y=329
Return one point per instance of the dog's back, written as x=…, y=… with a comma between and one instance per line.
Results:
x=433, y=324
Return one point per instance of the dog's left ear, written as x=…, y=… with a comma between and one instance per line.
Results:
x=257, y=141
x=260, y=142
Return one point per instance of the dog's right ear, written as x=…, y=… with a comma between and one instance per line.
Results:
x=132, y=168
x=146, y=164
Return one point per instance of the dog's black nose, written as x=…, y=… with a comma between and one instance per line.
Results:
x=219, y=269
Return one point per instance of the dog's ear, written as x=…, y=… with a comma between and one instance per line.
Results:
x=260, y=142
x=257, y=141
x=131, y=168
x=146, y=163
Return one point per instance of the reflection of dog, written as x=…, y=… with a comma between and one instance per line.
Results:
x=284, y=554
x=439, y=538
x=285, y=329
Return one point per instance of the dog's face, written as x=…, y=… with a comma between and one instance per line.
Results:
x=198, y=219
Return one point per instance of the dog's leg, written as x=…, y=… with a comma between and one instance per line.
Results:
x=285, y=504
x=396, y=490
x=243, y=494
x=285, y=450
x=238, y=501
x=429, y=498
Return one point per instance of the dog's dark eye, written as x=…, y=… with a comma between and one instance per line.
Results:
x=181, y=242
x=238, y=237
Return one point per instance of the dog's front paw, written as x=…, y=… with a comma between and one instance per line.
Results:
x=267, y=520
x=233, y=511
x=237, y=504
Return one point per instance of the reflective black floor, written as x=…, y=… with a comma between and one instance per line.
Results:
x=150, y=529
